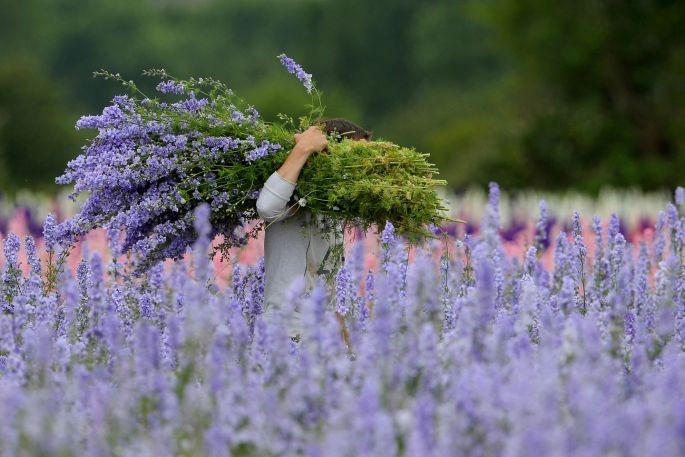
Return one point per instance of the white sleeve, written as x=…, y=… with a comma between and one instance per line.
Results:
x=273, y=198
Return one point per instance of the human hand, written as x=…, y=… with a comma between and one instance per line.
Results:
x=311, y=140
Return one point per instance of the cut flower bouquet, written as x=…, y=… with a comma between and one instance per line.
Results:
x=153, y=161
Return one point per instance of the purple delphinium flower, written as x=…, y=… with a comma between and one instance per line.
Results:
x=221, y=143
x=641, y=284
x=11, y=273
x=580, y=269
x=679, y=324
x=659, y=243
x=170, y=87
x=541, y=235
x=11, y=248
x=383, y=321
x=422, y=435
x=616, y=255
x=32, y=256
x=599, y=243
x=491, y=219
x=673, y=225
x=263, y=150
x=613, y=230
x=342, y=298
x=254, y=114
x=680, y=196
x=494, y=199
x=191, y=104
x=295, y=69
x=578, y=234
x=485, y=285
x=567, y=297
x=369, y=288
x=533, y=268
x=201, y=222
x=563, y=263
x=388, y=235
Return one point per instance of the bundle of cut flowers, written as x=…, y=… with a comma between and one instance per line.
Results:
x=154, y=160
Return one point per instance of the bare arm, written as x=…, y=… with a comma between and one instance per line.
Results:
x=306, y=143
x=272, y=200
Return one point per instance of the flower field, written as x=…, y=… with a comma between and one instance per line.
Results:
x=539, y=332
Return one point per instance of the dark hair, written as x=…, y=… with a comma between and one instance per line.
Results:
x=344, y=128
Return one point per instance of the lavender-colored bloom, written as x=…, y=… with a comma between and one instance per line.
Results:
x=531, y=261
x=191, y=104
x=576, y=225
x=614, y=229
x=201, y=223
x=491, y=219
x=494, y=197
x=485, y=285
x=641, y=285
x=221, y=143
x=562, y=259
x=567, y=298
x=617, y=254
x=170, y=87
x=254, y=114
x=11, y=247
x=295, y=69
x=659, y=243
x=32, y=255
x=672, y=215
x=263, y=150
x=342, y=298
x=422, y=437
x=370, y=286
x=541, y=235
x=599, y=243
x=674, y=225
x=49, y=233
x=388, y=235
x=680, y=196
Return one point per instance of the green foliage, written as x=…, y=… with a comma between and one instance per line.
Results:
x=374, y=182
x=36, y=137
x=604, y=105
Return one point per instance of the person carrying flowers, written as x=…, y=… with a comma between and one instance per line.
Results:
x=297, y=243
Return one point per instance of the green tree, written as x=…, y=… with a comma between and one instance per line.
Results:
x=37, y=136
x=605, y=89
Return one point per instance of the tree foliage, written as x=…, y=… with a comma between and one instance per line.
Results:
x=526, y=92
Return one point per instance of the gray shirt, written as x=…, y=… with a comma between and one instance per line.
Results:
x=295, y=246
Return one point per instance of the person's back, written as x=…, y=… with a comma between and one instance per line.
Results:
x=296, y=243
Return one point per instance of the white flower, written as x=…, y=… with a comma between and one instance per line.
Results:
x=302, y=202
x=335, y=208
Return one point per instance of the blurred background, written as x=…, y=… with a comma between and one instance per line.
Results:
x=552, y=96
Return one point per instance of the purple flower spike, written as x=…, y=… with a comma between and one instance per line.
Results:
x=201, y=223
x=388, y=235
x=170, y=87
x=680, y=196
x=295, y=69
x=49, y=234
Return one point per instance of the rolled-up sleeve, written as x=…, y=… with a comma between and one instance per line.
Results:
x=273, y=198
